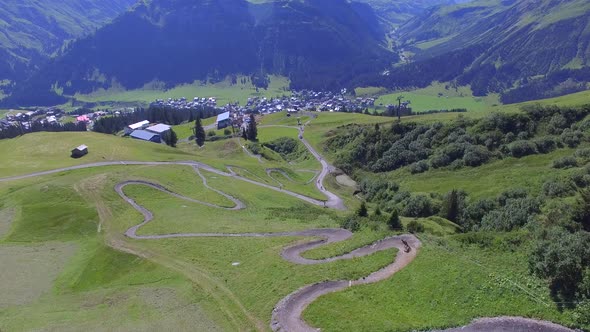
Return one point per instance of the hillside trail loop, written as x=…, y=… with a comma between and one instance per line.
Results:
x=287, y=314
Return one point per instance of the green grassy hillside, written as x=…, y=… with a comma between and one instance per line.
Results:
x=46, y=151
x=94, y=277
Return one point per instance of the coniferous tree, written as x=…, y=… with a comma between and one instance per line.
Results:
x=377, y=211
x=199, y=132
x=394, y=222
x=252, y=129
x=452, y=206
x=170, y=138
x=362, y=211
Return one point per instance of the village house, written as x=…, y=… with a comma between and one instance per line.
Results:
x=145, y=135
x=136, y=126
x=223, y=120
x=160, y=129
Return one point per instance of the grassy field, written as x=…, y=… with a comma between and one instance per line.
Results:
x=45, y=151
x=440, y=96
x=97, y=279
x=224, y=91
x=63, y=277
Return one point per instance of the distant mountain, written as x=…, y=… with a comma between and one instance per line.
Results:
x=400, y=11
x=32, y=30
x=316, y=43
x=526, y=49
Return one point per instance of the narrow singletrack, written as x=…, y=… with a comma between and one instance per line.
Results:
x=287, y=314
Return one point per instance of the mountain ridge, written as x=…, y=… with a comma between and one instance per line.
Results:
x=317, y=44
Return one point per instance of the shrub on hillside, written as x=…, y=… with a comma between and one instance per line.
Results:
x=476, y=155
x=514, y=193
x=378, y=189
x=352, y=223
x=571, y=138
x=287, y=147
x=557, y=124
x=558, y=188
x=439, y=160
x=581, y=179
x=415, y=226
x=453, y=204
x=565, y=162
x=583, y=153
x=473, y=213
x=520, y=149
x=419, y=167
x=418, y=206
x=516, y=213
x=545, y=144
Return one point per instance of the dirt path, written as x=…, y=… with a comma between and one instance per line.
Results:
x=334, y=201
x=286, y=315
x=509, y=324
x=269, y=172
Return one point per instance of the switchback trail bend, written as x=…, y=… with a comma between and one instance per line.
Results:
x=286, y=315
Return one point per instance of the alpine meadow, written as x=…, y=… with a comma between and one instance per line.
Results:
x=295, y=165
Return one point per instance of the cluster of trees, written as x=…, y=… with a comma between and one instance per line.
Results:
x=376, y=220
x=466, y=142
x=18, y=130
x=160, y=114
x=554, y=84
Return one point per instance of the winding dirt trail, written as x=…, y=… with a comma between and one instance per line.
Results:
x=287, y=314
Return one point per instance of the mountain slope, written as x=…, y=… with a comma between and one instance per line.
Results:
x=521, y=40
x=400, y=11
x=31, y=30
x=317, y=43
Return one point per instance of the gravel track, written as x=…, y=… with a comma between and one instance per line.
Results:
x=287, y=314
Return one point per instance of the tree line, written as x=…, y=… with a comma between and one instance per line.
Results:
x=154, y=114
x=18, y=130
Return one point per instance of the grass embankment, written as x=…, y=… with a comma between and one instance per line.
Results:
x=58, y=274
x=129, y=285
x=224, y=91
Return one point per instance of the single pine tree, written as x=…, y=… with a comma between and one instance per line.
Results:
x=362, y=211
x=252, y=129
x=394, y=222
x=199, y=132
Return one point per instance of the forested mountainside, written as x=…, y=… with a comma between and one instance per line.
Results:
x=31, y=30
x=316, y=43
x=525, y=49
